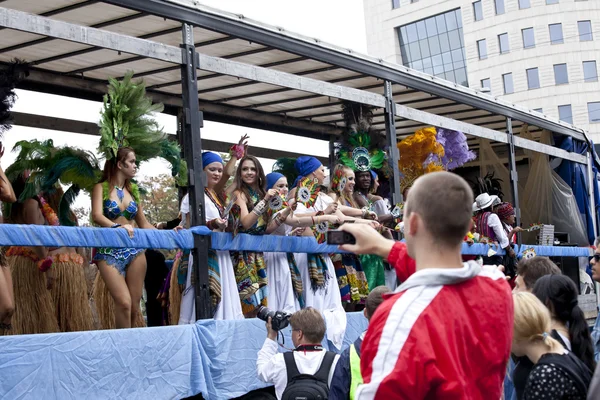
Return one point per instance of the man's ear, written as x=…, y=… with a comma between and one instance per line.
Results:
x=411, y=226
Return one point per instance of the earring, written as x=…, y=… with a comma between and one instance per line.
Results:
x=316, y=180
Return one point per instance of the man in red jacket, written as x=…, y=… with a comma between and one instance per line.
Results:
x=446, y=332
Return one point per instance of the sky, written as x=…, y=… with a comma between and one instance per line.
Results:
x=335, y=21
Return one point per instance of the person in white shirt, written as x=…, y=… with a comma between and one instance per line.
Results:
x=488, y=225
x=308, y=331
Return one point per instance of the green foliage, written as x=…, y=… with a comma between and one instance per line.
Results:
x=160, y=200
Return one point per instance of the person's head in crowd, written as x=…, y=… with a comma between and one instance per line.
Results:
x=595, y=261
x=437, y=213
x=506, y=213
x=250, y=176
x=374, y=299
x=309, y=167
x=277, y=181
x=212, y=164
x=485, y=203
x=530, y=270
x=559, y=294
x=308, y=327
x=532, y=324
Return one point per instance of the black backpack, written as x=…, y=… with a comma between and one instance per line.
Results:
x=305, y=386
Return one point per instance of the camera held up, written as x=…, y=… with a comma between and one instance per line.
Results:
x=279, y=319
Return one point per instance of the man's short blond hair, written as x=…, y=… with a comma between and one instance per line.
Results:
x=311, y=323
x=444, y=201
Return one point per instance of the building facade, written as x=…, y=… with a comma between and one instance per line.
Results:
x=542, y=54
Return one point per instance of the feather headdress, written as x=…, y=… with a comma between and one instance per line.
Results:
x=361, y=148
x=48, y=167
x=419, y=154
x=127, y=121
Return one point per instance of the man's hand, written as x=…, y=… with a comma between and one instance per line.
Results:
x=271, y=334
x=368, y=240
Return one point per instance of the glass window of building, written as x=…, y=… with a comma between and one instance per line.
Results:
x=478, y=11
x=482, y=49
x=565, y=114
x=395, y=4
x=486, y=84
x=556, y=35
x=540, y=110
x=533, y=78
x=508, y=83
x=435, y=45
x=560, y=74
x=528, y=38
x=590, y=72
x=499, y=7
x=594, y=111
x=551, y=1
x=503, y=43
x=523, y=4
x=585, y=31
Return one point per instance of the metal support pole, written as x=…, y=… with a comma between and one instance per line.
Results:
x=331, y=155
x=390, y=134
x=514, y=177
x=591, y=186
x=192, y=122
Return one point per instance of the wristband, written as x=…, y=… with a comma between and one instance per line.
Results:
x=259, y=208
x=115, y=225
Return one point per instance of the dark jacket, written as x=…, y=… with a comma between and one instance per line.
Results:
x=342, y=377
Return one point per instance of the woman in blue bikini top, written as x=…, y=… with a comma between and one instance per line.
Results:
x=115, y=203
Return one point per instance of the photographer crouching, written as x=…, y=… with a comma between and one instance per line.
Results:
x=304, y=372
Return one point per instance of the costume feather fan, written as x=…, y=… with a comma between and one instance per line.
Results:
x=127, y=121
x=10, y=76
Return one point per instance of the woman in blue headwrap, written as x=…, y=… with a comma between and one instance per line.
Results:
x=285, y=282
x=222, y=283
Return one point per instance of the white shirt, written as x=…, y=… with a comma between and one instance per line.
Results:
x=494, y=223
x=271, y=365
x=185, y=204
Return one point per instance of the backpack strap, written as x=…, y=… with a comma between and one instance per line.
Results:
x=323, y=373
x=290, y=365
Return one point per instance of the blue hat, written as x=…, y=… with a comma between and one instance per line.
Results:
x=272, y=179
x=209, y=157
x=373, y=174
x=306, y=165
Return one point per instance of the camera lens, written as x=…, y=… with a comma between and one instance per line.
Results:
x=264, y=313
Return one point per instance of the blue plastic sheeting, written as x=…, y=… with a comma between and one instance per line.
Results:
x=557, y=251
x=156, y=363
x=59, y=236
x=576, y=176
x=215, y=358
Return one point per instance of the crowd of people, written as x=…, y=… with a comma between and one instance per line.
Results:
x=441, y=325
x=453, y=330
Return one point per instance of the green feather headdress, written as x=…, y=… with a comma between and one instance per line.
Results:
x=49, y=167
x=127, y=121
x=360, y=149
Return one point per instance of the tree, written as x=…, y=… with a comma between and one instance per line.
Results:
x=159, y=197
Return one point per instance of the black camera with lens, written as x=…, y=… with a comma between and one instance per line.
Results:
x=279, y=319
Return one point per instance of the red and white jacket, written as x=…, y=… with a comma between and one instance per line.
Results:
x=443, y=334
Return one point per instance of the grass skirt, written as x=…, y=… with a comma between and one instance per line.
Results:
x=174, y=296
x=70, y=294
x=34, y=308
x=105, y=306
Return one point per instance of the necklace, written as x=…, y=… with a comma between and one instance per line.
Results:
x=120, y=193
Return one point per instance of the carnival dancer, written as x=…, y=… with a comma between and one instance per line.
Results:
x=7, y=300
x=9, y=77
x=30, y=268
x=222, y=283
x=352, y=280
x=46, y=168
x=320, y=291
x=128, y=136
x=506, y=214
x=488, y=226
x=285, y=282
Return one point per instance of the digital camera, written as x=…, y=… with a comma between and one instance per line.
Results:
x=279, y=319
